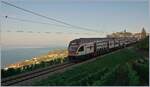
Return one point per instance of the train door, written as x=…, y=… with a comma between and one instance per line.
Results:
x=107, y=46
x=89, y=48
x=94, y=47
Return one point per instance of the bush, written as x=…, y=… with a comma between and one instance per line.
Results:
x=10, y=72
x=108, y=78
x=142, y=70
x=132, y=76
x=144, y=44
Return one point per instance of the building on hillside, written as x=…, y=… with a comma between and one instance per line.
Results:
x=120, y=34
x=137, y=35
x=126, y=34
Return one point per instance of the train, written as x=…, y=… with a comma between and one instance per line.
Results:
x=84, y=48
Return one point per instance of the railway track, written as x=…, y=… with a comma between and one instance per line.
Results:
x=27, y=76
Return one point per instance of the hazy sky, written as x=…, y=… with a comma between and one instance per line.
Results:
x=104, y=16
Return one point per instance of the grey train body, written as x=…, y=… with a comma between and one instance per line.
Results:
x=85, y=48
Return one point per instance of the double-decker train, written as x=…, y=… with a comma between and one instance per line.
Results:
x=85, y=48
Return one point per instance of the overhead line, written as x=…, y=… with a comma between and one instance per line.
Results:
x=62, y=22
x=31, y=21
x=46, y=32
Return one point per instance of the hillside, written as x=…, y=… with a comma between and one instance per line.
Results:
x=123, y=67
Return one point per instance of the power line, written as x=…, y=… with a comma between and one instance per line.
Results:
x=31, y=21
x=62, y=22
x=46, y=32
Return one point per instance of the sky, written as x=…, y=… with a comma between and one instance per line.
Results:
x=102, y=16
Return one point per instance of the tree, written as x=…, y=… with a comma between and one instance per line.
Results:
x=143, y=33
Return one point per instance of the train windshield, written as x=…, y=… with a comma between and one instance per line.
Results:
x=81, y=48
x=73, y=48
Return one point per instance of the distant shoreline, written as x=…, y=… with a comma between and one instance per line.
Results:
x=15, y=55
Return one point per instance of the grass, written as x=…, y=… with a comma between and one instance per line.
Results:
x=133, y=78
x=142, y=69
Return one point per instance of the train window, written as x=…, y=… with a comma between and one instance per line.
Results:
x=81, y=48
x=73, y=43
x=90, y=47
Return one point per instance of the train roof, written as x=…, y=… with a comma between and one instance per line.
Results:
x=85, y=40
x=93, y=38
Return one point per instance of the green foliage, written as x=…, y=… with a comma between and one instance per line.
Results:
x=132, y=76
x=142, y=70
x=92, y=77
x=144, y=44
x=107, y=79
x=12, y=71
x=121, y=76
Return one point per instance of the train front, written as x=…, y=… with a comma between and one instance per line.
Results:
x=72, y=49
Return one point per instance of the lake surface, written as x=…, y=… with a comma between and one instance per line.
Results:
x=13, y=55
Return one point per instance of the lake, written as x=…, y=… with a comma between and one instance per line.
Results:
x=13, y=55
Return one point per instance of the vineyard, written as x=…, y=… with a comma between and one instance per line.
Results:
x=123, y=67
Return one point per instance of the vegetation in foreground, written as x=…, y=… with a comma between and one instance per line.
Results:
x=28, y=68
x=143, y=44
x=124, y=67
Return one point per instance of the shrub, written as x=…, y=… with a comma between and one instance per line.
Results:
x=132, y=76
